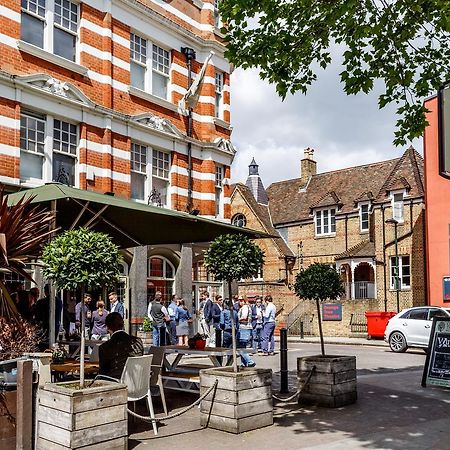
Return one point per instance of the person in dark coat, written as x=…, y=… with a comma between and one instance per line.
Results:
x=113, y=354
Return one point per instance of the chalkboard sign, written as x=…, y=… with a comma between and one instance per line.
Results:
x=437, y=365
x=446, y=289
x=332, y=311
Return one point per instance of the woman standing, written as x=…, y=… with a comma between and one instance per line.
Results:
x=182, y=318
x=99, y=330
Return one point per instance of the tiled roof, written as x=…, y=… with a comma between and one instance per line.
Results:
x=263, y=214
x=364, y=249
x=289, y=202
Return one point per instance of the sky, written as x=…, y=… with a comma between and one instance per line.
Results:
x=343, y=130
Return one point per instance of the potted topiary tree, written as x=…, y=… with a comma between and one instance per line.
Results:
x=243, y=399
x=331, y=379
x=72, y=414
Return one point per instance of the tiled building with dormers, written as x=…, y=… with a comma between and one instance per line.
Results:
x=89, y=97
x=344, y=218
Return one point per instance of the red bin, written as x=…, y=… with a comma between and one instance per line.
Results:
x=376, y=322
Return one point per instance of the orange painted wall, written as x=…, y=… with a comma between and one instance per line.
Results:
x=437, y=201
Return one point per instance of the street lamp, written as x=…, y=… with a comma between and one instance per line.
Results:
x=397, y=265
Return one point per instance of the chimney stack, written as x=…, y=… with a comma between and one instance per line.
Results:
x=308, y=166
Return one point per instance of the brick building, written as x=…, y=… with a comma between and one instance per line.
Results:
x=341, y=218
x=89, y=97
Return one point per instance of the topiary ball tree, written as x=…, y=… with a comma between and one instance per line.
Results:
x=233, y=257
x=319, y=282
x=80, y=259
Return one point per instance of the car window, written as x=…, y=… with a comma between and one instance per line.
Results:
x=436, y=312
x=405, y=315
x=418, y=314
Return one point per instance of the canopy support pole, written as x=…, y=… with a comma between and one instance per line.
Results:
x=92, y=219
x=52, y=301
x=75, y=222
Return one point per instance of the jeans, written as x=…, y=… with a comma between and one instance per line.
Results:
x=243, y=340
x=158, y=330
x=268, y=338
x=257, y=336
x=228, y=342
x=173, y=332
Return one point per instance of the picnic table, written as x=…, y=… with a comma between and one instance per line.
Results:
x=59, y=370
x=186, y=377
x=75, y=346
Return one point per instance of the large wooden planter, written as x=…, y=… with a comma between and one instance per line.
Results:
x=243, y=400
x=91, y=418
x=332, y=384
x=8, y=400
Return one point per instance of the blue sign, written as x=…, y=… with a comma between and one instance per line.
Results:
x=332, y=311
x=446, y=287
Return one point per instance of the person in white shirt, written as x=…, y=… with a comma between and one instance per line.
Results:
x=268, y=338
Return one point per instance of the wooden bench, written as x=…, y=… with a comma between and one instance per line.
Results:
x=181, y=381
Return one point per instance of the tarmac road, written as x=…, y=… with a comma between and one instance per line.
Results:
x=393, y=411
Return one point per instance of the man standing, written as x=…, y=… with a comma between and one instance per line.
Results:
x=257, y=324
x=87, y=314
x=215, y=313
x=115, y=305
x=245, y=322
x=206, y=320
x=268, y=339
x=159, y=315
x=172, y=310
x=113, y=354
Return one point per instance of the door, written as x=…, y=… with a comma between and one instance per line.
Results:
x=418, y=327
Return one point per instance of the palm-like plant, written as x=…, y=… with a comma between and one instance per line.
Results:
x=24, y=230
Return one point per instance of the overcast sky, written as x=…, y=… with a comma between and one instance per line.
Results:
x=343, y=130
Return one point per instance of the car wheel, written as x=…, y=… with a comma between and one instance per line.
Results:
x=397, y=342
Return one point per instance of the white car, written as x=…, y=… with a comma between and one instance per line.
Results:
x=412, y=327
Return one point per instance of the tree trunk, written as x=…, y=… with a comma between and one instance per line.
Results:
x=83, y=339
x=233, y=329
x=322, y=346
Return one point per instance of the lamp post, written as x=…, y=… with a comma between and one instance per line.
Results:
x=397, y=266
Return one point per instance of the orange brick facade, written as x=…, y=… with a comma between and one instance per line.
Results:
x=95, y=93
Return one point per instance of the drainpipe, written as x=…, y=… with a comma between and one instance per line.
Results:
x=346, y=232
x=384, y=258
x=411, y=216
x=189, y=53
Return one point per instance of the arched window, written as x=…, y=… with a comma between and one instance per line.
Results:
x=160, y=277
x=239, y=220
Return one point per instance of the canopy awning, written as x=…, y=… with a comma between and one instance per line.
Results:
x=129, y=223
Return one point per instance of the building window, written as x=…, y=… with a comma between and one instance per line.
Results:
x=55, y=32
x=32, y=146
x=364, y=209
x=260, y=275
x=219, y=96
x=60, y=145
x=217, y=21
x=325, y=222
x=160, y=277
x=397, y=206
x=219, y=180
x=138, y=171
x=149, y=72
x=154, y=188
x=402, y=272
x=239, y=220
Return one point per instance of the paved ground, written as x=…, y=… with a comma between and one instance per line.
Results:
x=393, y=411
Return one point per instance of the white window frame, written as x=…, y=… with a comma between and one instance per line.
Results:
x=47, y=169
x=260, y=275
x=219, y=176
x=400, y=274
x=50, y=25
x=239, y=220
x=329, y=218
x=217, y=19
x=218, y=95
x=392, y=197
x=361, y=205
x=148, y=65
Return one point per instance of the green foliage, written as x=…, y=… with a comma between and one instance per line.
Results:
x=318, y=282
x=403, y=43
x=81, y=258
x=147, y=325
x=232, y=257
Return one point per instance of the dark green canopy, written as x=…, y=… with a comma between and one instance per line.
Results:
x=129, y=223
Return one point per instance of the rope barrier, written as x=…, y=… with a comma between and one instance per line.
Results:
x=179, y=413
x=288, y=399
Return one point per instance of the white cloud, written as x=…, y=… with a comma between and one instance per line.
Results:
x=344, y=130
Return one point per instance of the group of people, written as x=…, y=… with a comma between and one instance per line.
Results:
x=255, y=322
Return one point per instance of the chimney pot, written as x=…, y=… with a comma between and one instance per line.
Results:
x=308, y=166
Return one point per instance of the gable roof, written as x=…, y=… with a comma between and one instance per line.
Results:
x=263, y=214
x=290, y=201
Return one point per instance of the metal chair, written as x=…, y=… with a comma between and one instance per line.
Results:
x=156, y=376
x=136, y=376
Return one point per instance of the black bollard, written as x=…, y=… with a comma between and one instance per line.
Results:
x=218, y=337
x=284, y=385
x=302, y=334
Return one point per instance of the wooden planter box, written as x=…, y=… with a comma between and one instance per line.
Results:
x=93, y=417
x=333, y=383
x=146, y=336
x=8, y=417
x=243, y=400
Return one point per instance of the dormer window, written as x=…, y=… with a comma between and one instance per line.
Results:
x=325, y=220
x=364, y=210
x=397, y=205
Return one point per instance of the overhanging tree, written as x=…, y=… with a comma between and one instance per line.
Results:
x=319, y=282
x=403, y=43
x=233, y=257
x=80, y=259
